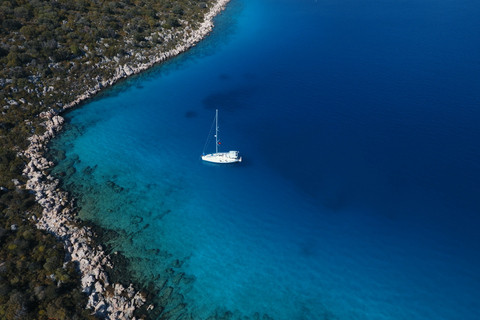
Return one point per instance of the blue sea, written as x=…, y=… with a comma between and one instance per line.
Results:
x=359, y=192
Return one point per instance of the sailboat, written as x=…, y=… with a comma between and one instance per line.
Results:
x=219, y=157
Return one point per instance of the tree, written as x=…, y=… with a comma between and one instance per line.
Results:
x=177, y=10
x=11, y=24
x=13, y=59
x=139, y=37
x=22, y=13
x=3, y=52
x=29, y=32
x=172, y=23
x=61, y=54
x=75, y=50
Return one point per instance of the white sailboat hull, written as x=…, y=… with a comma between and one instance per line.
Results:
x=219, y=157
x=222, y=157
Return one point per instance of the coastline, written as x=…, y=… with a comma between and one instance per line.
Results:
x=106, y=300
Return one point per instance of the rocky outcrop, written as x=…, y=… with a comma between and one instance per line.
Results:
x=107, y=300
x=189, y=40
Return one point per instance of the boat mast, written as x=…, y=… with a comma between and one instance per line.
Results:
x=216, y=131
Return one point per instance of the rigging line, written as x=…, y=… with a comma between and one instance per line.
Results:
x=209, y=136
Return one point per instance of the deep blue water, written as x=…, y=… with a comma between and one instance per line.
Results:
x=359, y=193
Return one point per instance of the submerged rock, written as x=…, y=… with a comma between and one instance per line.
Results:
x=115, y=187
x=89, y=170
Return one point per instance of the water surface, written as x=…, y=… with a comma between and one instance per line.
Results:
x=359, y=193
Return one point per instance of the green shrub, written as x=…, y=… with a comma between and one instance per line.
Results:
x=75, y=50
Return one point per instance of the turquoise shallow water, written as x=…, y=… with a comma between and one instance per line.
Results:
x=358, y=196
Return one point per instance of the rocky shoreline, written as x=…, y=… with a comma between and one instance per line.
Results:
x=106, y=300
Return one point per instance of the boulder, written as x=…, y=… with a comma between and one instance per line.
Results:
x=98, y=287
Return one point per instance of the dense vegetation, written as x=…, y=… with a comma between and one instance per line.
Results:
x=51, y=52
x=34, y=281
